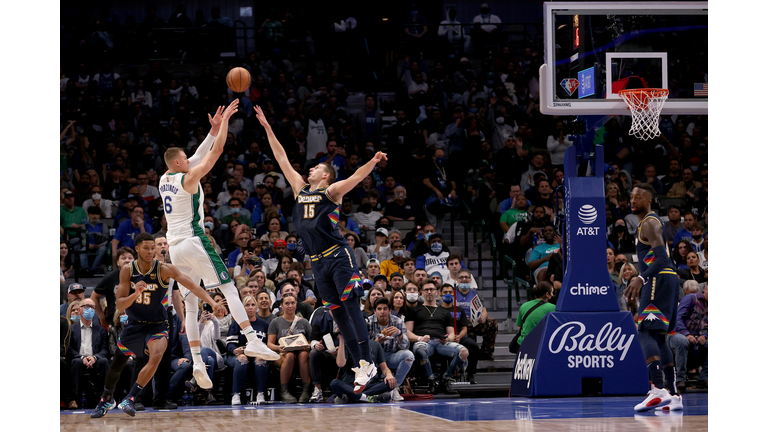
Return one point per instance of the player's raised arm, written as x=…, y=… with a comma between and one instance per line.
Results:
x=207, y=143
x=294, y=178
x=341, y=187
x=193, y=176
x=171, y=271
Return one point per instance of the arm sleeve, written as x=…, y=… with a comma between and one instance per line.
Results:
x=661, y=261
x=202, y=150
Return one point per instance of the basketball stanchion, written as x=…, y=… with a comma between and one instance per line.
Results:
x=587, y=346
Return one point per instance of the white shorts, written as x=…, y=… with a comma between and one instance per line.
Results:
x=196, y=258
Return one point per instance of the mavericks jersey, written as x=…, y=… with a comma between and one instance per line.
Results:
x=183, y=210
x=152, y=304
x=315, y=216
x=645, y=253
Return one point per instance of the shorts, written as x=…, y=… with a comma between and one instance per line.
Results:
x=196, y=258
x=136, y=335
x=336, y=276
x=658, y=302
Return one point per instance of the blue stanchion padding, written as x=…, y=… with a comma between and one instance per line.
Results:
x=587, y=285
x=564, y=348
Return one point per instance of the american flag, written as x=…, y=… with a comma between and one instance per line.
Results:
x=700, y=89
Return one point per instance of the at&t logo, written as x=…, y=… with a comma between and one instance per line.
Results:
x=588, y=216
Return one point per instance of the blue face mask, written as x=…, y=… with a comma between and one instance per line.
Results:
x=291, y=247
x=436, y=248
x=123, y=319
x=398, y=253
x=75, y=318
x=464, y=286
x=473, y=110
x=439, y=160
x=365, y=294
x=427, y=236
x=420, y=237
x=89, y=314
x=448, y=299
x=209, y=225
x=236, y=210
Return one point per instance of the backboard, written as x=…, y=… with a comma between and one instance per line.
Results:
x=594, y=49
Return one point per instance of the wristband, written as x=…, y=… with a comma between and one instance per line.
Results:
x=641, y=278
x=419, y=339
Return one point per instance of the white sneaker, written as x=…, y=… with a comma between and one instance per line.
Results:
x=363, y=375
x=656, y=398
x=396, y=395
x=675, y=405
x=260, y=399
x=236, y=399
x=257, y=348
x=201, y=376
x=317, y=396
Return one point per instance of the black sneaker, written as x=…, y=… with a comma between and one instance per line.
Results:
x=138, y=406
x=380, y=398
x=102, y=408
x=446, y=384
x=471, y=379
x=164, y=405
x=432, y=387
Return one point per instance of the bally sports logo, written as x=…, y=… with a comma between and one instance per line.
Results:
x=587, y=216
x=572, y=336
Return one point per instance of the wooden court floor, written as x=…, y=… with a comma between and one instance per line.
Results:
x=578, y=415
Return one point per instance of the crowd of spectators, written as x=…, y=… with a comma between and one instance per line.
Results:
x=461, y=132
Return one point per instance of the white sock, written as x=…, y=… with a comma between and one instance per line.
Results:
x=196, y=357
x=249, y=333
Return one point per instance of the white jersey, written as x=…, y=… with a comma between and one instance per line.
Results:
x=183, y=210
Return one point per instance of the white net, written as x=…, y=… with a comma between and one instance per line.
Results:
x=645, y=105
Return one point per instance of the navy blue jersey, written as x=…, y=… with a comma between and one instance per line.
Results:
x=645, y=254
x=151, y=305
x=315, y=217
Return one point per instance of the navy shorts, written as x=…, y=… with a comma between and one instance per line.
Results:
x=135, y=337
x=658, y=302
x=336, y=276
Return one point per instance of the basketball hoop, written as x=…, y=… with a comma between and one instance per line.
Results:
x=645, y=105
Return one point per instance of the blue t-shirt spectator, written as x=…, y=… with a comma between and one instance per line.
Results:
x=126, y=232
x=543, y=250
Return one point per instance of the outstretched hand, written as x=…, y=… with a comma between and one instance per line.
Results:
x=231, y=109
x=261, y=117
x=215, y=121
x=379, y=156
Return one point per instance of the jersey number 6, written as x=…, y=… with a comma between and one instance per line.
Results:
x=167, y=203
x=309, y=211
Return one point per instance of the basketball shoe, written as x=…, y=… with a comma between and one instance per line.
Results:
x=363, y=375
x=127, y=406
x=257, y=348
x=102, y=408
x=201, y=376
x=656, y=398
x=675, y=405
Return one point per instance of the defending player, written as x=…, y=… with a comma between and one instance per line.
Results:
x=657, y=286
x=315, y=216
x=143, y=293
x=190, y=249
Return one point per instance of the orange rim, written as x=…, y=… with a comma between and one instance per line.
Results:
x=642, y=96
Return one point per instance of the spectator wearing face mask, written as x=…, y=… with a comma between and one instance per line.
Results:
x=394, y=265
x=621, y=239
x=236, y=212
x=104, y=205
x=400, y=208
x=436, y=259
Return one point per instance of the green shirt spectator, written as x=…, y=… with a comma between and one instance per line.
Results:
x=542, y=291
x=71, y=215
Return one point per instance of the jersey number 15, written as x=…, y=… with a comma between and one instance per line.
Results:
x=309, y=211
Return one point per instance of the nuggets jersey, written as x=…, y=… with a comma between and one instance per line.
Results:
x=645, y=253
x=315, y=216
x=152, y=304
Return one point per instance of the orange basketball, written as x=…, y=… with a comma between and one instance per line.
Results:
x=238, y=80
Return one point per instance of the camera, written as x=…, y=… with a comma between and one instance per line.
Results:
x=207, y=308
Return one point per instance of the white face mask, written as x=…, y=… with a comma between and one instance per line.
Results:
x=500, y=120
x=96, y=196
x=412, y=297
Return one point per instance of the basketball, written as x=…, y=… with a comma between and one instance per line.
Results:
x=238, y=79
